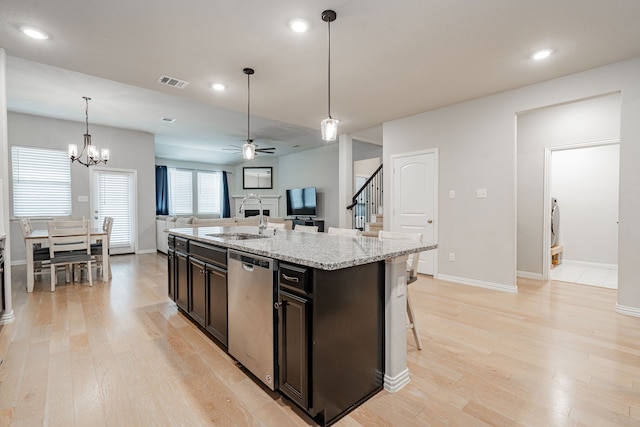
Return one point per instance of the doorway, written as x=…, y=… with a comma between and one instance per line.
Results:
x=583, y=179
x=113, y=194
x=414, y=200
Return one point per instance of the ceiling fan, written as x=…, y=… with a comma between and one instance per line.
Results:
x=237, y=149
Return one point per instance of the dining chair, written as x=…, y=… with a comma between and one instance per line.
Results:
x=411, y=271
x=277, y=225
x=306, y=228
x=40, y=254
x=69, y=245
x=96, y=248
x=349, y=232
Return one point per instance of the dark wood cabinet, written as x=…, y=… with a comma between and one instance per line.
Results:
x=182, y=281
x=294, y=348
x=171, y=273
x=198, y=294
x=198, y=283
x=216, y=299
x=331, y=343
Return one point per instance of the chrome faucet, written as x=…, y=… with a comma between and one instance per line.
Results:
x=261, y=224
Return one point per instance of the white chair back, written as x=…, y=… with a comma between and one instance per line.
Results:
x=413, y=259
x=25, y=226
x=349, y=232
x=69, y=244
x=306, y=228
x=277, y=225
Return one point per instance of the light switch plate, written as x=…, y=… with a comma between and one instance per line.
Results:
x=452, y=194
x=83, y=198
x=481, y=193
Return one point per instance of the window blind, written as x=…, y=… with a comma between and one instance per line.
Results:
x=208, y=192
x=180, y=192
x=41, y=182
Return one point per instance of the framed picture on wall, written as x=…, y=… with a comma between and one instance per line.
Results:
x=254, y=178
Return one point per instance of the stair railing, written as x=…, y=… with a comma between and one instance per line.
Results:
x=367, y=200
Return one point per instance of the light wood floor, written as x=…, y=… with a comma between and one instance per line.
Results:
x=119, y=354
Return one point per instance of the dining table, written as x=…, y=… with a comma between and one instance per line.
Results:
x=42, y=236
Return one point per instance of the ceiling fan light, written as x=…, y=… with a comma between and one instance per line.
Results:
x=329, y=129
x=248, y=151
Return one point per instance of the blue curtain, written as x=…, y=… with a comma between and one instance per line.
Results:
x=226, y=207
x=162, y=191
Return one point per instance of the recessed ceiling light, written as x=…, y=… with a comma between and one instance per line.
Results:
x=542, y=54
x=299, y=25
x=219, y=87
x=34, y=33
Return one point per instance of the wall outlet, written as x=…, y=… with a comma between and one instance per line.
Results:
x=452, y=256
x=452, y=194
x=481, y=193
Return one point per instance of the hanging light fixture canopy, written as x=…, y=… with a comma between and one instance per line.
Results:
x=248, y=149
x=329, y=126
x=89, y=150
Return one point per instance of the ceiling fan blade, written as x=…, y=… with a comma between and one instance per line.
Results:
x=270, y=150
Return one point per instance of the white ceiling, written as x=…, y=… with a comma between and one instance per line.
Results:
x=389, y=60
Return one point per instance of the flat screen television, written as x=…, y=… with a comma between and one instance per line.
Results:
x=301, y=202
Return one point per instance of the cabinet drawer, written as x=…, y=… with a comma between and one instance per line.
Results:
x=181, y=244
x=171, y=241
x=213, y=254
x=295, y=278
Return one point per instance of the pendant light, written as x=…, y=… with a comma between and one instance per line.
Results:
x=248, y=149
x=88, y=150
x=329, y=126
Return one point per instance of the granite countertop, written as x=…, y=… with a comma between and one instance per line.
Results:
x=321, y=250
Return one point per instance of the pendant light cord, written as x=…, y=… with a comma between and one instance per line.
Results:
x=329, y=72
x=86, y=112
x=248, y=106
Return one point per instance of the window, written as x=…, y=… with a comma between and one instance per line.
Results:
x=180, y=192
x=41, y=182
x=205, y=200
x=208, y=192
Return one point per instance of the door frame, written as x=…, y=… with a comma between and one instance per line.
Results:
x=436, y=175
x=134, y=196
x=546, y=203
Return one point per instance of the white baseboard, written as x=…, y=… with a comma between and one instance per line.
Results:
x=478, y=283
x=589, y=264
x=629, y=311
x=394, y=384
x=529, y=275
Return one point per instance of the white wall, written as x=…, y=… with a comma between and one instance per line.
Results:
x=585, y=182
x=313, y=168
x=593, y=119
x=128, y=150
x=477, y=143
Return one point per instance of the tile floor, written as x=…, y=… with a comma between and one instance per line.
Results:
x=585, y=274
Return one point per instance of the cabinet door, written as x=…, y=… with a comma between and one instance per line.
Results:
x=171, y=273
x=182, y=281
x=217, y=303
x=294, y=347
x=197, y=296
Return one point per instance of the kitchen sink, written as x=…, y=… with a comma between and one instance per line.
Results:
x=237, y=236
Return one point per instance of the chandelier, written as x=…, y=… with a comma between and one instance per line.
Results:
x=89, y=151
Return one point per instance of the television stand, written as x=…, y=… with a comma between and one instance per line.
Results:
x=310, y=221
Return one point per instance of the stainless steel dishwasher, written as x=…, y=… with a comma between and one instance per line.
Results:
x=251, y=299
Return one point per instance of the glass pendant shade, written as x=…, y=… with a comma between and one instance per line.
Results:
x=248, y=151
x=73, y=151
x=329, y=129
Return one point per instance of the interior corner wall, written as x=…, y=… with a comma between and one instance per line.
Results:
x=132, y=150
x=314, y=168
x=477, y=148
x=587, y=120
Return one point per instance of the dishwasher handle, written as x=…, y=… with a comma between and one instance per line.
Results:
x=247, y=267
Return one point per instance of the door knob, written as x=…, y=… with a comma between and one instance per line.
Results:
x=430, y=221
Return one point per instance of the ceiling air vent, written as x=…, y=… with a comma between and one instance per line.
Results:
x=170, y=81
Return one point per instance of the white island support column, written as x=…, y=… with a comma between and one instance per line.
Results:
x=396, y=372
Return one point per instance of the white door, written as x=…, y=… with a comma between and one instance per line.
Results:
x=414, y=200
x=113, y=194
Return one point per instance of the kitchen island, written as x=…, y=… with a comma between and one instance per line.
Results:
x=337, y=305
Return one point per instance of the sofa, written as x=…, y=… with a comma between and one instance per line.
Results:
x=164, y=223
